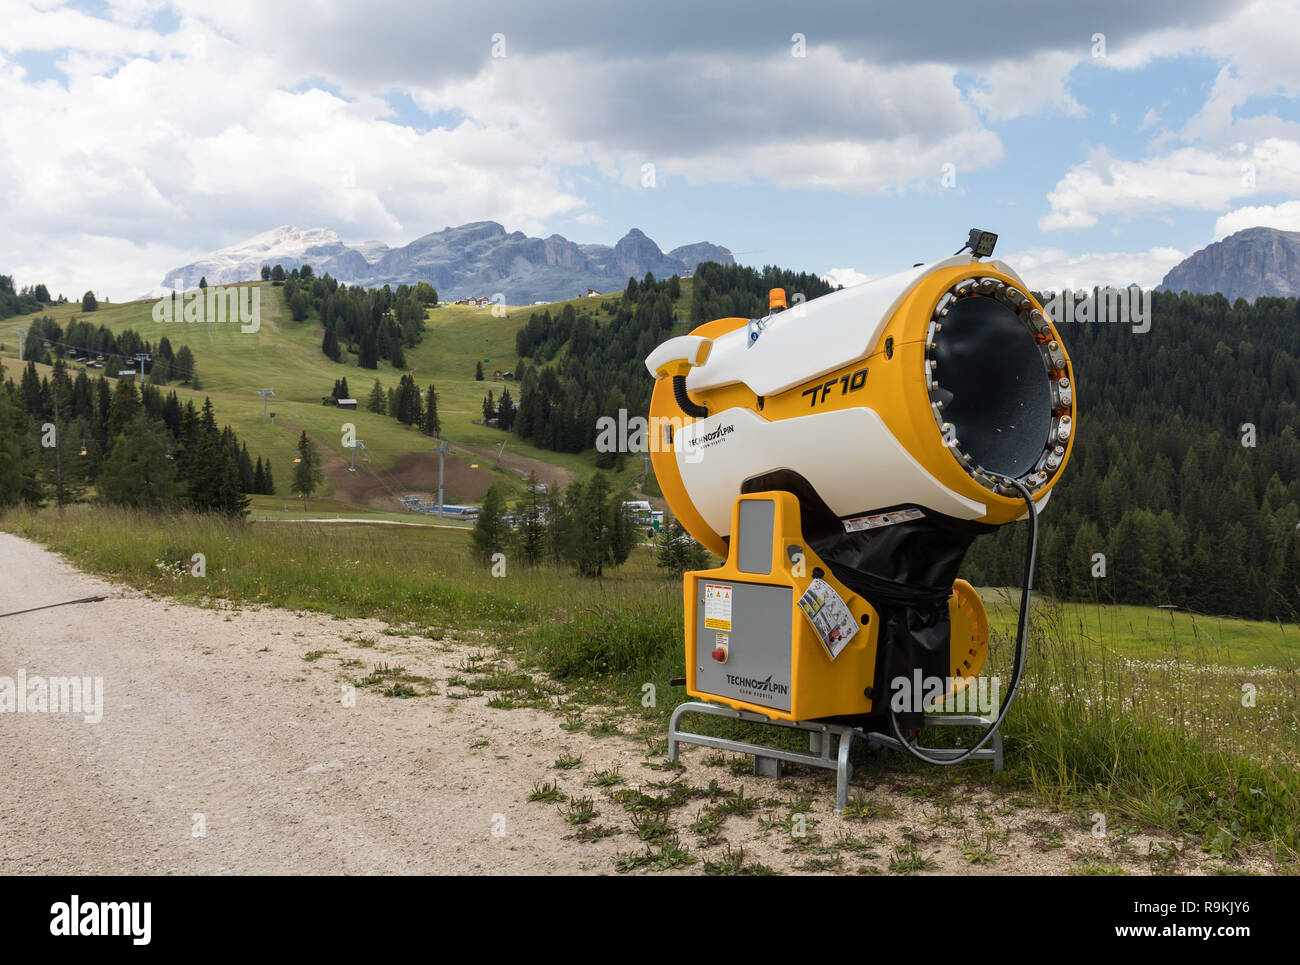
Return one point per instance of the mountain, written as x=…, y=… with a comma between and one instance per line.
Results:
x=479, y=258
x=1250, y=263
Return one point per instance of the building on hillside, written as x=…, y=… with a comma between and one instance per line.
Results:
x=347, y=403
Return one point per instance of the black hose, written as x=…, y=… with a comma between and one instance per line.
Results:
x=684, y=400
x=1021, y=630
x=49, y=606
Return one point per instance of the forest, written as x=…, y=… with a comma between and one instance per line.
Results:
x=60, y=436
x=376, y=324
x=582, y=370
x=1184, y=483
x=1185, y=473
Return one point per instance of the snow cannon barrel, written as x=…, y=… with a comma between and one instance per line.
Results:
x=914, y=401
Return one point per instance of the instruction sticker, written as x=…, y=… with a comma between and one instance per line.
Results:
x=829, y=616
x=717, y=606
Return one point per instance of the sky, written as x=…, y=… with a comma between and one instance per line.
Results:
x=1103, y=141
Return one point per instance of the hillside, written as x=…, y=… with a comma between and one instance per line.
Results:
x=286, y=356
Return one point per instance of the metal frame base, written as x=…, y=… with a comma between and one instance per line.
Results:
x=767, y=760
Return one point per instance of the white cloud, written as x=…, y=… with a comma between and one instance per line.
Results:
x=1285, y=216
x=1186, y=178
x=1225, y=155
x=72, y=263
x=204, y=147
x=1052, y=269
x=822, y=122
x=1022, y=86
x=197, y=138
x=848, y=277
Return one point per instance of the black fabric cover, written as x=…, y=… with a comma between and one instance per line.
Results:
x=906, y=571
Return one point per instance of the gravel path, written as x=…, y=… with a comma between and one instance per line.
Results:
x=214, y=712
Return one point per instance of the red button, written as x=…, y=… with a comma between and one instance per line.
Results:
x=720, y=654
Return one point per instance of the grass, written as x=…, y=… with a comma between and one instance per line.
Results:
x=1129, y=713
x=733, y=863
x=548, y=792
x=909, y=861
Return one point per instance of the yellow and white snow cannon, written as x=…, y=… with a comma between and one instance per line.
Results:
x=841, y=455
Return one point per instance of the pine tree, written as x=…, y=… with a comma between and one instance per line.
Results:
x=592, y=530
x=183, y=368
x=530, y=527
x=18, y=459
x=505, y=410
x=1286, y=596
x=368, y=358
x=490, y=528
x=432, y=426
x=678, y=552
x=306, y=471
x=124, y=407
x=377, y=402
x=330, y=344
x=478, y=371
x=245, y=471
x=137, y=472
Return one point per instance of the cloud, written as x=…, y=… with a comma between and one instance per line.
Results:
x=186, y=126
x=394, y=42
x=848, y=277
x=1186, y=178
x=822, y=121
x=107, y=265
x=1052, y=269
x=1021, y=86
x=1285, y=217
x=1220, y=155
x=203, y=146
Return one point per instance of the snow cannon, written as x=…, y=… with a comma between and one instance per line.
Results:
x=841, y=454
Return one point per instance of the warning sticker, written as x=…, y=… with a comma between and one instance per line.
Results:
x=717, y=606
x=829, y=615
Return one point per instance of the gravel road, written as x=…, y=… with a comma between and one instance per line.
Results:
x=213, y=721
